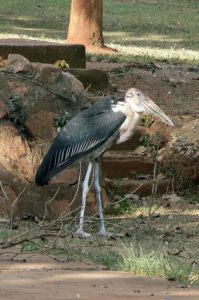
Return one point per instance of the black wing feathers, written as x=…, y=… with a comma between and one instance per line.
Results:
x=80, y=136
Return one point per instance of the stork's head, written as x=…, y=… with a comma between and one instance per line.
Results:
x=142, y=103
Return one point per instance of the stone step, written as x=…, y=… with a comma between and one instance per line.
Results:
x=92, y=79
x=141, y=187
x=44, y=52
x=120, y=164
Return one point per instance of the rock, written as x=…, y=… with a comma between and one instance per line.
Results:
x=31, y=95
x=57, y=208
x=4, y=94
x=17, y=63
x=40, y=125
x=181, y=156
x=160, y=134
x=172, y=198
x=15, y=154
x=140, y=150
x=31, y=201
x=39, y=89
x=64, y=85
x=2, y=108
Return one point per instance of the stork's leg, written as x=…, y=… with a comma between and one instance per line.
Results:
x=80, y=231
x=102, y=231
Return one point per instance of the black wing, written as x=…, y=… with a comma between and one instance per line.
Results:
x=83, y=134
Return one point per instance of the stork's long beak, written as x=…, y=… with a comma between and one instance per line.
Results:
x=154, y=110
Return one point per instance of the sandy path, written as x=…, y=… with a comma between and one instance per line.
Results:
x=49, y=281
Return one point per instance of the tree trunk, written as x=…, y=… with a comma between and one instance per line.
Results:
x=85, y=26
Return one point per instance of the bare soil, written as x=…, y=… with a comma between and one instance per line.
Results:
x=34, y=276
x=43, y=279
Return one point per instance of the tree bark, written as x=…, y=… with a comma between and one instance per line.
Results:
x=85, y=26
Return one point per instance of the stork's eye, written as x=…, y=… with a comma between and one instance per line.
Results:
x=138, y=94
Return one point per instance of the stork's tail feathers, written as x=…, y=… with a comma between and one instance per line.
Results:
x=51, y=164
x=41, y=176
x=47, y=168
x=40, y=180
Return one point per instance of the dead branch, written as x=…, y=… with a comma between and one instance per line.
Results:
x=5, y=195
x=12, y=206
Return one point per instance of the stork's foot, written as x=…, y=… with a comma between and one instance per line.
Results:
x=82, y=234
x=105, y=233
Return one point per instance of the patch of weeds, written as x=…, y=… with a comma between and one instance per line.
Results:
x=194, y=277
x=109, y=258
x=5, y=234
x=15, y=112
x=29, y=247
x=145, y=121
x=60, y=120
x=155, y=264
x=34, y=246
x=152, y=142
x=121, y=208
x=173, y=170
x=58, y=251
x=145, y=140
x=179, y=271
x=140, y=263
x=120, y=72
x=150, y=67
x=194, y=199
x=103, y=256
x=17, y=116
x=62, y=65
x=112, y=58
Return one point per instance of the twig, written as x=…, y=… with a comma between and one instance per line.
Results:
x=45, y=253
x=49, y=201
x=5, y=195
x=154, y=185
x=131, y=193
x=78, y=184
x=12, y=206
x=154, y=192
x=12, y=242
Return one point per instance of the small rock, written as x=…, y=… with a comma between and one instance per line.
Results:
x=172, y=198
x=17, y=63
x=139, y=150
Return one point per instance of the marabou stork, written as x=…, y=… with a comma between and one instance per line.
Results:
x=89, y=134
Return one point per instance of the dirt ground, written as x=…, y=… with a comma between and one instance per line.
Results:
x=39, y=277
x=174, y=87
x=44, y=279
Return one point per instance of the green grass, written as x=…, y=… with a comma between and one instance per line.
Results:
x=154, y=264
x=6, y=234
x=141, y=30
x=146, y=263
